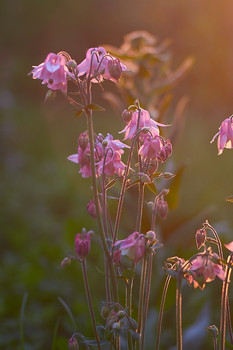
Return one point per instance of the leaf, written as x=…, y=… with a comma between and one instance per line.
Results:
x=95, y=107
x=69, y=312
x=152, y=187
x=230, y=199
x=78, y=114
x=170, y=272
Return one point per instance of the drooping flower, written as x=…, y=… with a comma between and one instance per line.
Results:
x=82, y=243
x=204, y=270
x=162, y=207
x=152, y=147
x=133, y=246
x=144, y=121
x=53, y=72
x=225, y=135
x=101, y=65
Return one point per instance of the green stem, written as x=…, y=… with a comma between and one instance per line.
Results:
x=90, y=302
x=140, y=207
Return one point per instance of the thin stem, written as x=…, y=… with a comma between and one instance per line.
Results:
x=219, y=244
x=95, y=195
x=179, y=311
x=161, y=310
x=140, y=207
x=90, y=302
x=224, y=303
x=141, y=297
x=147, y=297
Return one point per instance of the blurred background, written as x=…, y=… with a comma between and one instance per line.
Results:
x=43, y=198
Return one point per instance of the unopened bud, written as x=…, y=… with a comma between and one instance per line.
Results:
x=83, y=140
x=71, y=64
x=127, y=115
x=116, y=326
x=114, y=68
x=121, y=314
x=105, y=311
x=65, y=262
x=151, y=236
x=83, y=243
x=200, y=238
x=162, y=208
x=91, y=208
x=73, y=344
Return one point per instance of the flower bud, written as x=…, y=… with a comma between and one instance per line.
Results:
x=73, y=344
x=121, y=314
x=105, y=311
x=166, y=151
x=83, y=140
x=151, y=236
x=71, y=64
x=91, y=208
x=111, y=319
x=162, y=208
x=200, y=238
x=82, y=243
x=127, y=115
x=116, y=326
x=114, y=68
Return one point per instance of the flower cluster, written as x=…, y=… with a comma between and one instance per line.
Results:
x=97, y=65
x=108, y=154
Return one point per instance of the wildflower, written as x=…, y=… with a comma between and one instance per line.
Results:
x=229, y=246
x=53, y=72
x=145, y=121
x=82, y=243
x=133, y=246
x=152, y=147
x=100, y=65
x=225, y=135
x=204, y=270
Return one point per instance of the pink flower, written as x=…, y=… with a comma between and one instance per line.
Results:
x=225, y=135
x=82, y=243
x=229, y=246
x=53, y=72
x=145, y=121
x=152, y=147
x=204, y=270
x=162, y=208
x=133, y=246
x=100, y=64
x=112, y=164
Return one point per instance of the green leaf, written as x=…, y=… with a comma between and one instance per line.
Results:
x=69, y=312
x=230, y=199
x=95, y=107
x=152, y=187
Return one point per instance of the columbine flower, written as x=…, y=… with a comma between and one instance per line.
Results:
x=145, y=121
x=152, y=147
x=204, y=270
x=133, y=246
x=53, y=72
x=225, y=135
x=102, y=65
x=82, y=243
